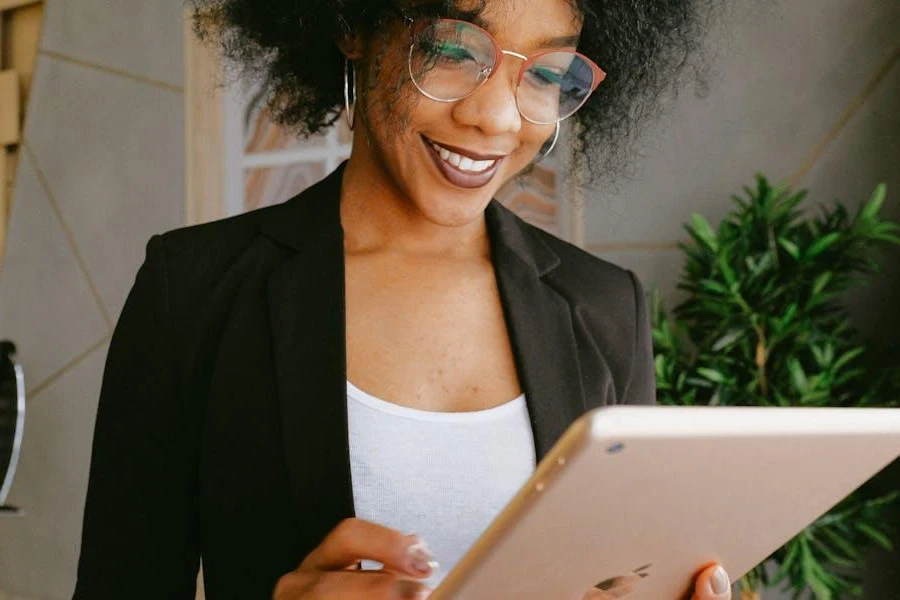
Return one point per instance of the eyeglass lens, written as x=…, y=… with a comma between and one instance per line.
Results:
x=449, y=59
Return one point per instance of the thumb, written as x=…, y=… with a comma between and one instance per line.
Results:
x=712, y=584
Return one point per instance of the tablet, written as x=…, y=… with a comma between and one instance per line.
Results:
x=653, y=494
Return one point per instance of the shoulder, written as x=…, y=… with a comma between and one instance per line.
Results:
x=217, y=240
x=210, y=247
x=588, y=280
x=200, y=266
x=607, y=304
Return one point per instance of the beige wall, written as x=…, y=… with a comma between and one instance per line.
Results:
x=103, y=170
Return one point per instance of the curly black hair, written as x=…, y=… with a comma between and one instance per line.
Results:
x=290, y=48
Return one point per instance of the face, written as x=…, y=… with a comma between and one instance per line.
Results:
x=416, y=146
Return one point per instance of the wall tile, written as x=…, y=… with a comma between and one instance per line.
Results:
x=113, y=153
x=39, y=553
x=46, y=306
x=9, y=596
x=143, y=38
x=866, y=153
x=784, y=73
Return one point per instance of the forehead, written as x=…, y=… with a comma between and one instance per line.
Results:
x=524, y=23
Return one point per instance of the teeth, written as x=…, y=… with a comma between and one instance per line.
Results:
x=463, y=163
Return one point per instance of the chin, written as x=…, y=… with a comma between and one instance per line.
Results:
x=452, y=209
x=442, y=202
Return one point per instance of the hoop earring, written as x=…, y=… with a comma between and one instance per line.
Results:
x=543, y=154
x=348, y=110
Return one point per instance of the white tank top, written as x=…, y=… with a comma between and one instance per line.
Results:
x=442, y=475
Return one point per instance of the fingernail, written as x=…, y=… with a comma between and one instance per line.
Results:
x=421, y=559
x=719, y=581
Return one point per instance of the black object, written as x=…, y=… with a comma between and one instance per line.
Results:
x=12, y=419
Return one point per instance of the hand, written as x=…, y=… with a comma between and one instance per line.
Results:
x=330, y=571
x=709, y=585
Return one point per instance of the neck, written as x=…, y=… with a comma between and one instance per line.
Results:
x=376, y=215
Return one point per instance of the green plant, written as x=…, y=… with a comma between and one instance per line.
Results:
x=763, y=325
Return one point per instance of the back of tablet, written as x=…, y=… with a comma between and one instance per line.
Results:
x=655, y=493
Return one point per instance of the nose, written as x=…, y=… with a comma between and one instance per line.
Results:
x=492, y=107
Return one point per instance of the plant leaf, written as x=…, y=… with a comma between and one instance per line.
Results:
x=822, y=244
x=727, y=339
x=712, y=375
x=873, y=206
x=789, y=247
x=820, y=283
x=876, y=536
x=702, y=229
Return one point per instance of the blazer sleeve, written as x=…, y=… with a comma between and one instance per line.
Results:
x=641, y=387
x=139, y=537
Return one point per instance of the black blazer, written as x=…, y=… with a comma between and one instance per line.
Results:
x=222, y=427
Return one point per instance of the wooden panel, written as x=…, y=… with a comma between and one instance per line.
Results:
x=204, y=130
x=20, y=38
x=11, y=114
x=5, y=195
x=10, y=4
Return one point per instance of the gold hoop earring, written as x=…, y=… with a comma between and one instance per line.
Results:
x=348, y=109
x=544, y=153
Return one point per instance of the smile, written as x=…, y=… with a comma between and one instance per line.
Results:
x=463, y=163
x=463, y=168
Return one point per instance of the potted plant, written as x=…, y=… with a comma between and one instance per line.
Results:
x=763, y=325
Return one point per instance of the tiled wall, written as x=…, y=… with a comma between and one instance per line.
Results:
x=807, y=90
x=102, y=170
x=786, y=77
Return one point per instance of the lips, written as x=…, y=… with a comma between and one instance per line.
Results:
x=461, y=167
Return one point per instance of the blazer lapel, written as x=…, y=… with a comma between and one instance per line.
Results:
x=306, y=308
x=540, y=326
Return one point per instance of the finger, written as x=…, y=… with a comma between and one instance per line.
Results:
x=712, y=584
x=347, y=585
x=355, y=539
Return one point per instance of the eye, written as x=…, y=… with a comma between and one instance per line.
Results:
x=448, y=52
x=545, y=76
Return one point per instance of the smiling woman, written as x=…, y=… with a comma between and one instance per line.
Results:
x=290, y=390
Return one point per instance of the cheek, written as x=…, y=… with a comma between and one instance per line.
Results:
x=389, y=98
x=532, y=138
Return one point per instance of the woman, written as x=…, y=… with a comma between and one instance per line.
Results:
x=324, y=385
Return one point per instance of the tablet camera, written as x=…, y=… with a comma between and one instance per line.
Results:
x=615, y=448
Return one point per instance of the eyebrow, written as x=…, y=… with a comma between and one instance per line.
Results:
x=564, y=41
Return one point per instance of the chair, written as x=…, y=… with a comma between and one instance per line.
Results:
x=12, y=421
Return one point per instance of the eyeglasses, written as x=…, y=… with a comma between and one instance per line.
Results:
x=450, y=59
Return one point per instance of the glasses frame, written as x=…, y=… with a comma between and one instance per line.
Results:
x=499, y=53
